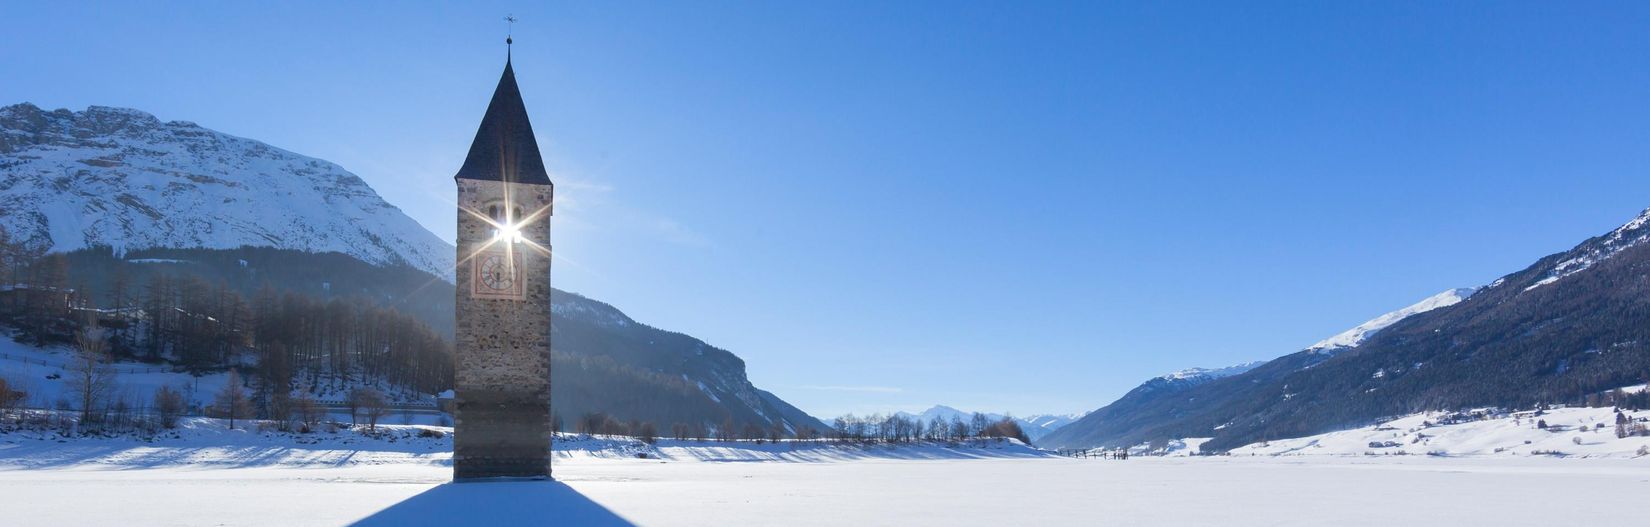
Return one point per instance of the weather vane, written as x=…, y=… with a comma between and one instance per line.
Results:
x=509, y=32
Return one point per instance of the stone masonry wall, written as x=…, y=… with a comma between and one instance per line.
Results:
x=502, y=395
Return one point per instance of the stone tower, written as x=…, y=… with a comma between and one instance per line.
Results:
x=502, y=394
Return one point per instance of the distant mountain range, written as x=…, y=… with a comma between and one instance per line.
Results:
x=1571, y=324
x=1035, y=426
x=174, y=197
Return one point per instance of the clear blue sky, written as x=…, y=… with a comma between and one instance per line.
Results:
x=1005, y=206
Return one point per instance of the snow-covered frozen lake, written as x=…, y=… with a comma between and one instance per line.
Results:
x=101, y=487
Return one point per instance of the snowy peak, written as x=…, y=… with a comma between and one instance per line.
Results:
x=1209, y=374
x=1353, y=337
x=1046, y=423
x=122, y=178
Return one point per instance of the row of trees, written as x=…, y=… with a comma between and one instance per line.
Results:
x=604, y=424
x=205, y=326
x=94, y=393
x=282, y=340
x=899, y=428
x=1620, y=398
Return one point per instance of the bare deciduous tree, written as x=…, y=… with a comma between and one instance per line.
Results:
x=309, y=411
x=372, y=404
x=647, y=433
x=232, y=401
x=10, y=396
x=168, y=406
x=725, y=432
x=91, y=378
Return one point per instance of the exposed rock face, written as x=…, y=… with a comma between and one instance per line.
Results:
x=122, y=178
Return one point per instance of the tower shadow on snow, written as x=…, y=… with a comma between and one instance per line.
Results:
x=496, y=503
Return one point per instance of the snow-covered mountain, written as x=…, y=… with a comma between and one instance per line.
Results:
x=1035, y=426
x=122, y=178
x=1596, y=250
x=1158, y=391
x=1351, y=338
x=1568, y=325
x=1210, y=374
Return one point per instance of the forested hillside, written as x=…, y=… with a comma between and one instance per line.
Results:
x=1566, y=329
x=328, y=322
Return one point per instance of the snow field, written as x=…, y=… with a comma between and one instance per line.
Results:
x=1056, y=491
x=1506, y=436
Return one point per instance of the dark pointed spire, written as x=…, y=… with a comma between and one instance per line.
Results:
x=504, y=148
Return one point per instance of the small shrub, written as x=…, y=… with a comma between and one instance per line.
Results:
x=169, y=405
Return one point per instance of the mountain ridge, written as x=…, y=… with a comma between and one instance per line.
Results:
x=1569, y=324
x=122, y=178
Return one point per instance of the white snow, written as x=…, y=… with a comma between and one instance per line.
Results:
x=1351, y=338
x=1213, y=373
x=122, y=178
x=236, y=478
x=708, y=392
x=1505, y=436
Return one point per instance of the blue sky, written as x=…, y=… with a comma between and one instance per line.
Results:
x=1025, y=207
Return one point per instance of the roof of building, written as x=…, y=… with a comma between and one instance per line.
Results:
x=504, y=148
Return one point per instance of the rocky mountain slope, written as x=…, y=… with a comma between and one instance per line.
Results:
x=122, y=178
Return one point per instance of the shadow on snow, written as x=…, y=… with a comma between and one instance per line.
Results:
x=496, y=503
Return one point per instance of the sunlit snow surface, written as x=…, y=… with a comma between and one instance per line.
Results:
x=1569, y=432
x=212, y=476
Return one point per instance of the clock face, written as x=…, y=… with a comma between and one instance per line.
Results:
x=497, y=275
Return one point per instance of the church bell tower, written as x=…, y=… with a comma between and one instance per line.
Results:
x=502, y=423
